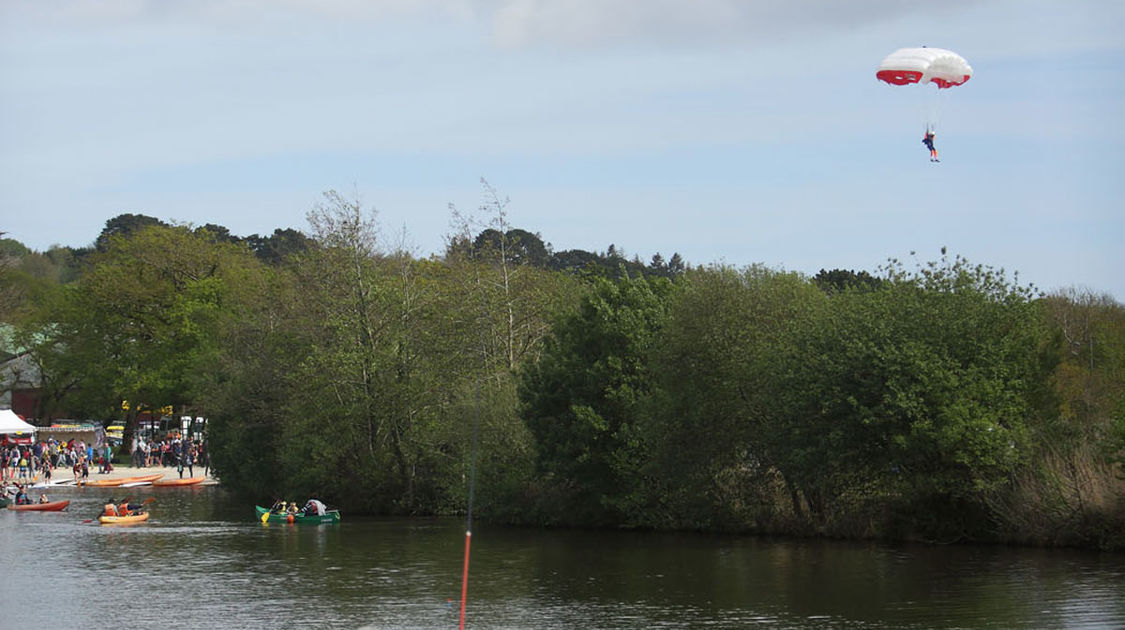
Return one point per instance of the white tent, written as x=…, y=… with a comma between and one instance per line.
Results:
x=14, y=429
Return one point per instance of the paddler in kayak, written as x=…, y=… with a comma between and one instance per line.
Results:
x=129, y=509
x=113, y=508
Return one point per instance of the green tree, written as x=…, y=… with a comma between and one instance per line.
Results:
x=280, y=246
x=1072, y=488
x=262, y=333
x=124, y=225
x=583, y=396
x=139, y=325
x=716, y=461
x=914, y=396
x=841, y=279
x=368, y=416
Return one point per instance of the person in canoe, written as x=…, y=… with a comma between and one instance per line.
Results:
x=21, y=496
x=314, y=506
x=43, y=499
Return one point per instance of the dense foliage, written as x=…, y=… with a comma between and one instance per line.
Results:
x=942, y=402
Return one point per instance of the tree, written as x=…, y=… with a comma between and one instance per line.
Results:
x=217, y=233
x=124, y=225
x=262, y=334
x=676, y=265
x=139, y=325
x=506, y=303
x=1072, y=487
x=715, y=458
x=575, y=261
x=279, y=246
x=582, y=397
x=915, y=395
x=520, y=246
x=368, y=416
x=839, y=280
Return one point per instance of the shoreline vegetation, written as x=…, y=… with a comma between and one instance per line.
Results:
x=934, y=401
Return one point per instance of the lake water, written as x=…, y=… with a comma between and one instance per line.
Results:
x=204, y=561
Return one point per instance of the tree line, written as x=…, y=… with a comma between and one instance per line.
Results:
x=940, y=401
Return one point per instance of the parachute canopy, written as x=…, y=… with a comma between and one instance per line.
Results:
x=924, y=65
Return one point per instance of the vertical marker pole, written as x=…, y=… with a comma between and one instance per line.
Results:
x=465, y=578
x=469, y=510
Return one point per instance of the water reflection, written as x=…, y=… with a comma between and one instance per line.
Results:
x=204, y=561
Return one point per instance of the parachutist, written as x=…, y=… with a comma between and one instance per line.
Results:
x=923, y=66
x=928, y=140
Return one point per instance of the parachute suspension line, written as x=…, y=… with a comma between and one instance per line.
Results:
x=469, y=509
x=935, y=107
x=927, y=118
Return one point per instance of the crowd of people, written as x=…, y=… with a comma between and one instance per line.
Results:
x=20, y=464
x=183, y=454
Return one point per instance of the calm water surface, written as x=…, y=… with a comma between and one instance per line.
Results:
x=203, y=561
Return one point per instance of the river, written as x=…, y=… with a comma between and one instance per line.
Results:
x=204, y=561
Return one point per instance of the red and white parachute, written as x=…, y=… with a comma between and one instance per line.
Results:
x=924, y=65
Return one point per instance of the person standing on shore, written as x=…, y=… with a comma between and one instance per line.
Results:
x=189, y=461
x=204, y=459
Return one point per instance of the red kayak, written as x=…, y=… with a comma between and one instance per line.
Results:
x=53, y=506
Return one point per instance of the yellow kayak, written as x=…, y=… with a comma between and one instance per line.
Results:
x=123, y=520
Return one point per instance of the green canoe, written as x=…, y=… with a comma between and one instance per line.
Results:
x=330, y=516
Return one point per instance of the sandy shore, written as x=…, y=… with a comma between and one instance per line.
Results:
x=121, y=472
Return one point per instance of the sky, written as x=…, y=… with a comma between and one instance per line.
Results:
x=728, y=131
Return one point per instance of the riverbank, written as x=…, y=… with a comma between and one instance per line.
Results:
x=122, y=472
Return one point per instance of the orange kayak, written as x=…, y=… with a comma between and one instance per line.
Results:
x=112, y=483
x=102, y=483
x=142, y=478
x=123, y=520
x=53, y=506
x=190, y=481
